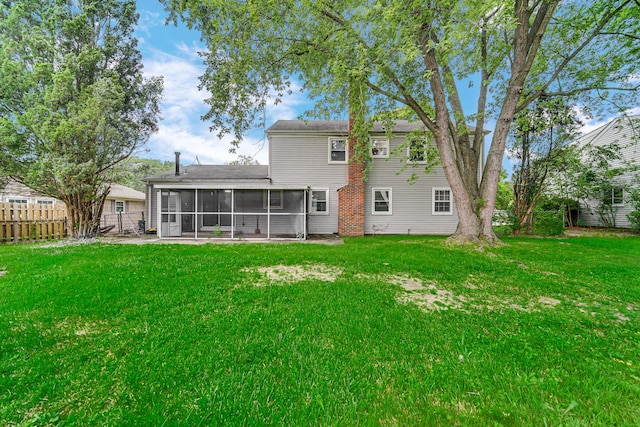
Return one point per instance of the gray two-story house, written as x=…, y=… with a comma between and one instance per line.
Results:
x=311, y=186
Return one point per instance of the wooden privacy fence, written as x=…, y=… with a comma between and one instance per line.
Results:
x=33, y=221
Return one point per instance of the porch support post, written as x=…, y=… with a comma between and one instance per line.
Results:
x=233, y=212
x=269, y=214
x=195, y=214
x=159, y=213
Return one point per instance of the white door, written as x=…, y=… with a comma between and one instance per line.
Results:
x=175, y=219
x=170, y=218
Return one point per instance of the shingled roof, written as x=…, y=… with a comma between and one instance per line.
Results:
x=213, y=172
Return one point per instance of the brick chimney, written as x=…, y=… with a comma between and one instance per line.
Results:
x=351, y=196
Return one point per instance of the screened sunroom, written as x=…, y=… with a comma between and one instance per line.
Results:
x=232, y=213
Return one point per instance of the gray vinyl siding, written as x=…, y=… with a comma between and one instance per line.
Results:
x=619, y=131
x=411, y=203
x=304, y=160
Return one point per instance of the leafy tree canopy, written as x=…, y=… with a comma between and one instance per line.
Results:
x=74, y=102
x=132, y=170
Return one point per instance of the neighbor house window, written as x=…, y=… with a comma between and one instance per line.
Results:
x=417, y=151
x=379, y=148
x=44, y=202
x=18, y=200
x=276, y=199
x=381, y=201
x=614, y=196
x=337, y=150
x=119, y=206
x=441, y=201
x=319, y=202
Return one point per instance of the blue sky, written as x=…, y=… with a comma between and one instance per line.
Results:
x=172, y=52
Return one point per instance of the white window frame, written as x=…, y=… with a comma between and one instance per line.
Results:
x=386, y=148
x=265, y=199
x=425, y=146
x=18, y=200
x=45, y=202
x=373, y=201
x=124, y=206
x=331, y=150
x=312, y=211
x=433, y=201
x=613, y=195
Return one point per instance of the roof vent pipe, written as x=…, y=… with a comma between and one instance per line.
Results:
x=177, y=163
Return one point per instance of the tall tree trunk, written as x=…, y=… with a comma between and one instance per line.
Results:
x=84, y=213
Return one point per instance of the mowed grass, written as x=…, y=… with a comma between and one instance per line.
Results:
x=378, y=331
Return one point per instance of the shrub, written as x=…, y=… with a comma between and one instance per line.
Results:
x=548, y=223
x=634, y=215
x=570, y=207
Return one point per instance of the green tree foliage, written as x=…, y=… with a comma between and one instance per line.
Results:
x=425, y=55
x=132, y=170
x=539, y=144
x=504, y=200
x=244, y=160
x=634, y=215
x=74, y=102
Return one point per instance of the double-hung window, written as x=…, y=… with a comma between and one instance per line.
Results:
x=417, y=151
x=319, y=202
x=381, y=201
x=276, y=199
x=441, y=201
x=614, y=196
x=379, y=148
x=338, y=150
x=119, y=206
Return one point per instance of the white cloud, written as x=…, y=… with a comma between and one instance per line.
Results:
x=591, y=123
x=146, y=22
x=181, y=128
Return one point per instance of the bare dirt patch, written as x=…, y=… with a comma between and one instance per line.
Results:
x=425, y=294
x=548, y=302
x=285, y=274
x=597, y=232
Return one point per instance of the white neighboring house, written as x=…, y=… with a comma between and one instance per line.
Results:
x=625, y=132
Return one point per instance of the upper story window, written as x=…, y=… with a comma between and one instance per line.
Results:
x=417, y=151
x=337, y=150
x=119, y=206
x=319, y=202
x=441, y=203
x=379, y=148
x=381, y=201
x=45, y=202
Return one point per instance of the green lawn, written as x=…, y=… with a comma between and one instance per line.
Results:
x=378, y=331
